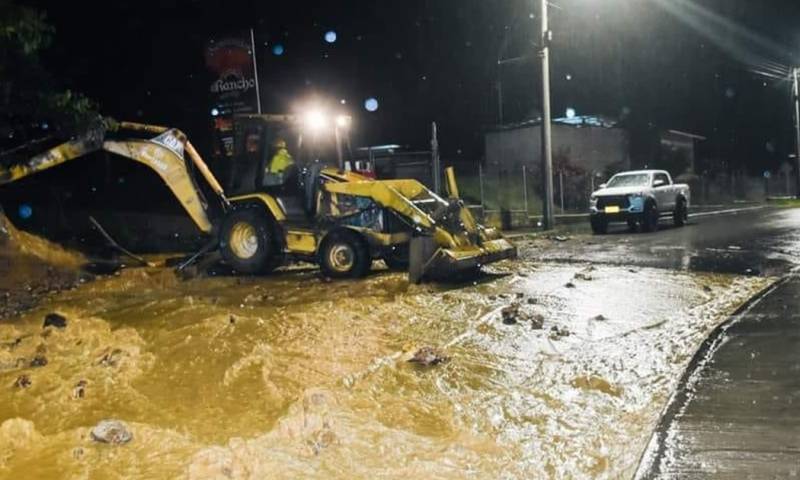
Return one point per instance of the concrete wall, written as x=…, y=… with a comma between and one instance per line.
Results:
x=583, y=157
x=591, y=149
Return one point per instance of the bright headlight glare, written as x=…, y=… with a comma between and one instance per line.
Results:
x=316, y=120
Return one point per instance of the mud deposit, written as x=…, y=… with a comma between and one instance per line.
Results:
x=32, y=268
x=293, y=377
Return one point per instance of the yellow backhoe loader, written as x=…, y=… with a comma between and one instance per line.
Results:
x=310, y=211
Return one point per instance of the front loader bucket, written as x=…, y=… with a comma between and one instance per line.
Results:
x=429, y=261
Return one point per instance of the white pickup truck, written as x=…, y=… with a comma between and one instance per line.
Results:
x=639, y=198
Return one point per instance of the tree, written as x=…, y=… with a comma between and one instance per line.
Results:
x=31, y=104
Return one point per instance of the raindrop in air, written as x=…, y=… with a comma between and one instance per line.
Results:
x=25, y=211
x=371, y=104
x=330, y=36
x=277, y=49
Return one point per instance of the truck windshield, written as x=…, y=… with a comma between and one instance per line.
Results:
x=633, y=180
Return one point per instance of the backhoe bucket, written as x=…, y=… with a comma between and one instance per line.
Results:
x=429, y=261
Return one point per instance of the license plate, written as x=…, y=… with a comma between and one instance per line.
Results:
x=612, y=209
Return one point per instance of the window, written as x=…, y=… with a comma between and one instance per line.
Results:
x=661, y=177
x=629, y=180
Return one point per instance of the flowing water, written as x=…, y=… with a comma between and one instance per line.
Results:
x=292, y=376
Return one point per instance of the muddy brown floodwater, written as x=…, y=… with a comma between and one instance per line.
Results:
x=290, y=376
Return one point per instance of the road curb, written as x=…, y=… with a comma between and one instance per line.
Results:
x=651, y=459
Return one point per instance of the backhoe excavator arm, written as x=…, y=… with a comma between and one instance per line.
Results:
x=163, y=154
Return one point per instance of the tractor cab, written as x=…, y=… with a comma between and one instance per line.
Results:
x=283, y=155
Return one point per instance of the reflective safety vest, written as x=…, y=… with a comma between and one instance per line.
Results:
x=280, y=161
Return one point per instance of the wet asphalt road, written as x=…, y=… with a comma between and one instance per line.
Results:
x=763, y=241
x=736, y=412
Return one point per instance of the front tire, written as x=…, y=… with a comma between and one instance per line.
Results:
x=599, y=225
x=650, y=217
x=247, y=242
x=681, y=213
x=344, y=254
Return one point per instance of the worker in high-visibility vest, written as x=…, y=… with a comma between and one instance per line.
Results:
x=281, y=159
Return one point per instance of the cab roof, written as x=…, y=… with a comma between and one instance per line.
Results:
x=641, y=172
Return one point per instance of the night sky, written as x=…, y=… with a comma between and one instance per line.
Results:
x=717, y=68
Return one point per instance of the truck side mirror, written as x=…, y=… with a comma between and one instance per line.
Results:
x=659, y=183
x=602, y=186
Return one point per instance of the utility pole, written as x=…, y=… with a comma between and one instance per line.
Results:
x=499, y=98
x=436, y=162
x=547, y=147
x=255, y=68
x=796, y=98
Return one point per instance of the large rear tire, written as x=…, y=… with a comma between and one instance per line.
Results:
x=247, y=242
x=344, y=254
x=681, y=213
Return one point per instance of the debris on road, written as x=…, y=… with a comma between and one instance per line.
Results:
x=23, y=381
x=537, y=321
x=428, y=356
x=515, y=313
x=510, y=313
x=38, y=361
x=556, y=332
x=569, y=285
x=80, y=389
x=586, y=277
x=54, y=320
x=111, y=431
x=110, y=358
x=600, y=318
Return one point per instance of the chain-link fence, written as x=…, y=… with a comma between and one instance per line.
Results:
x=513, y=197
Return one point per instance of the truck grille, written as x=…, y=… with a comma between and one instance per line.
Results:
x=620, y=201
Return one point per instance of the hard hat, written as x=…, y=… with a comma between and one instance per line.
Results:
x=279, y=143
